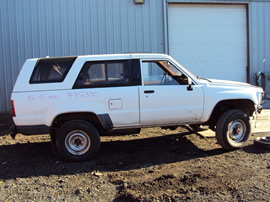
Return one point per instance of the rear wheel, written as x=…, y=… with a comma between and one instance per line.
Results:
x=77, y=140
x=233, y=129
x=53, y=136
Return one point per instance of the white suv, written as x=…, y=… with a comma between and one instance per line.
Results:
x=77, y=99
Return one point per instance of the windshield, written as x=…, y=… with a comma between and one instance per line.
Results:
x=185, y=70
x=171, y=68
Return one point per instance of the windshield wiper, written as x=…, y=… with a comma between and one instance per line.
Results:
x=206, y=79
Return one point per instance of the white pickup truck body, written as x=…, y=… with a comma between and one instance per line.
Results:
x=122, y=91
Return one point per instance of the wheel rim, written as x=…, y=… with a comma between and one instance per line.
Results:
x=77, y=142
x=237, y=130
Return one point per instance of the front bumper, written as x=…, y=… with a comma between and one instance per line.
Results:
x=259, y=109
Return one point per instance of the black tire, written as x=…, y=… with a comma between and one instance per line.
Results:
x=53, y=136
x=233, y=129
x=262, y=142
x=77, y=140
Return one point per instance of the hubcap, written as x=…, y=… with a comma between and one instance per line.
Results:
x=237, y=130
x=77, y=142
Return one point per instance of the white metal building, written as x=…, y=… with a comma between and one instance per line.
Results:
x=221, y=39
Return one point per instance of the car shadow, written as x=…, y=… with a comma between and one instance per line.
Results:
x=254, y=150
x=38, y=159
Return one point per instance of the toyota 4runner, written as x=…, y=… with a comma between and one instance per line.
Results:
x=77, y=99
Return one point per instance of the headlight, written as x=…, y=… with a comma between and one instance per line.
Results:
x=260, y=97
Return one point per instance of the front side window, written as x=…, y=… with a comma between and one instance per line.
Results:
x=99, y=74
x=161, y=73
x=49, y=70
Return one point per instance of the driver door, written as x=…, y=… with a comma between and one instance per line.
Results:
x=164, y=96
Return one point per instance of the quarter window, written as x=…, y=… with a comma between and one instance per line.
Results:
x=49, y=70
x=111, y=73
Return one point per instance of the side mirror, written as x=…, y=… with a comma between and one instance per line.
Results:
x=190, y=87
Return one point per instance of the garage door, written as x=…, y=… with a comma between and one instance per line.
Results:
x=210, y=40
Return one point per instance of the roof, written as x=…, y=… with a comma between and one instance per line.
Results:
x=118, y=56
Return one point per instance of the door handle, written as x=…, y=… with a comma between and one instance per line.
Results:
x=149, y=91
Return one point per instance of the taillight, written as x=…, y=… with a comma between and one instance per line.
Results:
x=12, y=108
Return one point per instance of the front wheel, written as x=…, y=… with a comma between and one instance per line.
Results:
x=77, y=140
x=233, y=129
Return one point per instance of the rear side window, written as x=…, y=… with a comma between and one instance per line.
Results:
x=104, y=74
x=49, y=70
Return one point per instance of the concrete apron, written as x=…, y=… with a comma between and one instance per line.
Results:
x=261, y=125
x=263, y=122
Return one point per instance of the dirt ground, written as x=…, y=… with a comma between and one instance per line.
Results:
x=155, y=165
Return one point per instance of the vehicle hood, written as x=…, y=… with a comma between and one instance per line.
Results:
x=232, y=86
x=225, y=90
x=225, y=82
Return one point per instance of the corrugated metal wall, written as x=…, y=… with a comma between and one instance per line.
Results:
x=38, y=28
x=259, y=30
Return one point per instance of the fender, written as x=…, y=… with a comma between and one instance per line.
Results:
x=101, y=121
x=73, y=108
x=215, y=94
